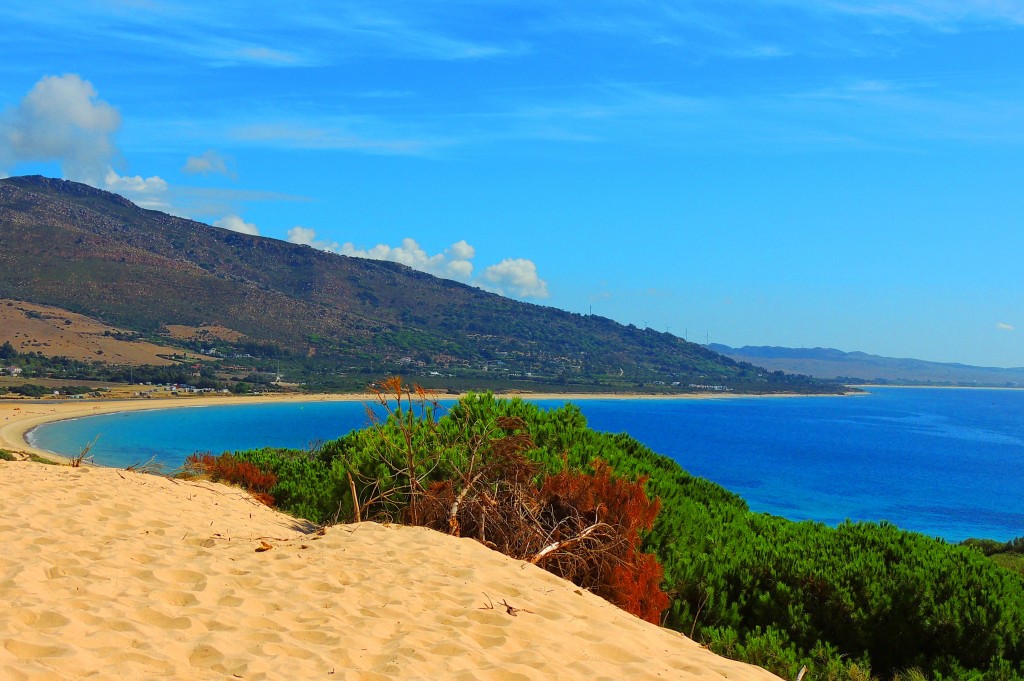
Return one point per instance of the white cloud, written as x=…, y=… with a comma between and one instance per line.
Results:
x=148, y=192
x=207, y=163
x=462, y=250
x=135, y=183
x=453, y=263
x=307, y=237
x=237, y=224
x=1003, y=326
x=517, y=276
x=512, y=276
x=301, y=235
x=62, y=119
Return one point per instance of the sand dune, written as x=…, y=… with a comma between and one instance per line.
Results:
x=108, y=574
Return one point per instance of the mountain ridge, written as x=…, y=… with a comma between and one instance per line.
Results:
x=856, y=366
x=95, y=253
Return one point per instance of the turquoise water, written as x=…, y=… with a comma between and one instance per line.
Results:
x=949, y=463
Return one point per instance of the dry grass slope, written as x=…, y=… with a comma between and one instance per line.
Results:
x=56, y=332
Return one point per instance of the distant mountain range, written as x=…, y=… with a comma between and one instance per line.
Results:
x=318, y=315
x=861, y=367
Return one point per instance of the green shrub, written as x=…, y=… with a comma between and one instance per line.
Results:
x=30, y=390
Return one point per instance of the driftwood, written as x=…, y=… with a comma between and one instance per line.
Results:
x=355, y=498
x=566, y=543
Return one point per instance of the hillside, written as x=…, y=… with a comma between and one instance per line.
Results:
x=56, y=332
x=828, y=363
x=322, y=315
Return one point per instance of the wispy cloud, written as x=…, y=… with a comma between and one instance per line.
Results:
x=411, y=31
x=204, y=202
x=299, y=34
x=210, y=162
x=305, y=133
x=1003, y=326
x=935, y=14
x=269, y=56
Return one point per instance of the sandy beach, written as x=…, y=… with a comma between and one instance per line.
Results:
x=111, y=574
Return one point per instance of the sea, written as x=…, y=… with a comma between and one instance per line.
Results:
x=948, y=463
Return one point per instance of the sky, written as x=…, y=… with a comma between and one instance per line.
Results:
x=803, y=173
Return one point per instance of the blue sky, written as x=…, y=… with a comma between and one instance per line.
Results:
x=769, y=172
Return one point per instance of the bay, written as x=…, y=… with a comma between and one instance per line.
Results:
x=944, y=462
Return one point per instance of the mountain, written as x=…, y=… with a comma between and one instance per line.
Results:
x=861, y=367
x=224, y=294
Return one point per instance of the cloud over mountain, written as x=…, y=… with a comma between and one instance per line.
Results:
x=237, y=224
x=62, y=119
x=512, y=276
x=517, y=277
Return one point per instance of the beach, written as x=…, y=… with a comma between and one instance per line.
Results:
x=111, y=574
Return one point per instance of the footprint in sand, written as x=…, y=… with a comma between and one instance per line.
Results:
x=48, y=619
x=31, y=651
x=194, y=581
x=158, y=619
x=178, y=599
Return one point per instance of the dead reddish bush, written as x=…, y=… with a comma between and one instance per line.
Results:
x=583, y=527
x=620, y=512
x=226, y=468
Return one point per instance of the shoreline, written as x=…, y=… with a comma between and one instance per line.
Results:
x=934, y=387
x=18, y=417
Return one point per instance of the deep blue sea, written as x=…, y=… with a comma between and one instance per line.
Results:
x=948, y=463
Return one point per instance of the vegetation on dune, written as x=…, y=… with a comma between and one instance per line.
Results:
x=233, y=471
x=858, y=601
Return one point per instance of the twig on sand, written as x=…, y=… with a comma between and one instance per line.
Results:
x=77, y=461
x=152, y=466
x=510, y=609
x=513, y=610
